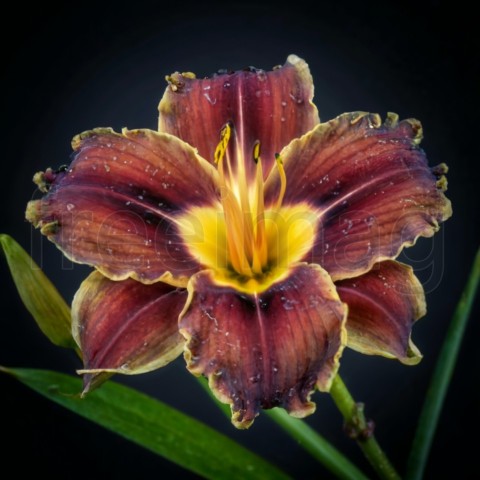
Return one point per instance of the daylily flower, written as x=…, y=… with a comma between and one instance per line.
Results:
x=247, y=235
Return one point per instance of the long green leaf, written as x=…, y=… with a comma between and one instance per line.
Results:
x=441, y=377
x=38, y=294
x=153, y=425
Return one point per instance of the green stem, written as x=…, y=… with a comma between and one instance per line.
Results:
x=310, y=440
x=316, y=445
x=361, y=430
x=441, y=377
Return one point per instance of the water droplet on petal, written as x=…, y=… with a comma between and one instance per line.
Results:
x=210, y=100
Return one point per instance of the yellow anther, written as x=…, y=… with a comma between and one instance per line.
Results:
x=256, y=151
x=221, y=149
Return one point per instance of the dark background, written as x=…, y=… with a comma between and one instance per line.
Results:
x=73, y=68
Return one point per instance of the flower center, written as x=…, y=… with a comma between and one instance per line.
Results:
x=244, y=211
x=249, y=245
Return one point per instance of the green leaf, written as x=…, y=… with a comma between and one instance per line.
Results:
x=442, y=374
x=153, y=425
x=38, y=294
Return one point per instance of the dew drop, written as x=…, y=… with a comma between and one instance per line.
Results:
x=209, y=99
x=348, y=226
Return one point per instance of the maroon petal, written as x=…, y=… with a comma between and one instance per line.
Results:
x=269, y=349
x=371, y=185
x=116, y=206
x=126, y=327
x=383, y=304
x=271, y=107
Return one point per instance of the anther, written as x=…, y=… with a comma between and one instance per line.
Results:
x=225, y=134
x=256, y=151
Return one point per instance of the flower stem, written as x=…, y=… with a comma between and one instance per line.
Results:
x=309, y=439
x=441, y=377
x=361, y=430
x=316, y=445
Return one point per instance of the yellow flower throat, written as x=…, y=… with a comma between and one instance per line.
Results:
x=248, y=245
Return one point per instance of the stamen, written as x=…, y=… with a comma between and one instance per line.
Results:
x=235, y=239
x=232, y=212
x=258, y=214
x=283, y=180
x=244, y=207
x=221, y=149
x=247, y=242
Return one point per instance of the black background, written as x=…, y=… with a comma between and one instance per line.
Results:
x=69, y=69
